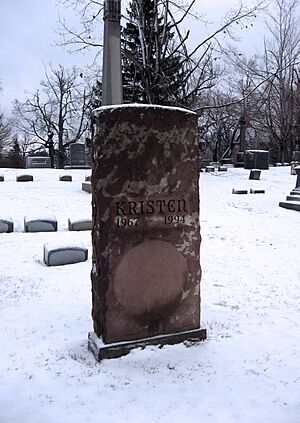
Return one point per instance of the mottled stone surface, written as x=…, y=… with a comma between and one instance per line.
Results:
x=146, y=235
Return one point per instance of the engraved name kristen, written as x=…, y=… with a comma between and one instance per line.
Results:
x=149, y=207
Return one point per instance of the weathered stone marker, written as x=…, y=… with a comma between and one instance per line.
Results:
x=80, y=224
x=65, y=178
x=146, y=234
x=24, y=178
x=60, y=253
x=77, y=154
x=6, y=225
x=40, y=224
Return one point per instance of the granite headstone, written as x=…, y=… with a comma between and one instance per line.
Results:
x=146, y=234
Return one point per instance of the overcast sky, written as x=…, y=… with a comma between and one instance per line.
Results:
x=27, y=35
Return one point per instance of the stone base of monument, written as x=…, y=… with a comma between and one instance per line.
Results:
x=80, y=224
x=87, y=187
x=58, y=254
x=293, y=197
x=292, y=205
x=115, y=350
x=6, y=225
x=40, y=224
x=24, y=178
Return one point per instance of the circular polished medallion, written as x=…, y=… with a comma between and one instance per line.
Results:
x=150, y=279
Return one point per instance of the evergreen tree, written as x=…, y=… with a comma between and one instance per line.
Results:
x=153, y=66
x=14, y=157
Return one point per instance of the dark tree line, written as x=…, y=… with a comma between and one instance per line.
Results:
x=260, y=101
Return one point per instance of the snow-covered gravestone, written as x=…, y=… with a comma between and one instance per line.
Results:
x=60, y=253
x=6, y=224
x=40, y=224
x=146, y=234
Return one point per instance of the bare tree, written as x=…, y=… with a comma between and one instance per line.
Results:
x=275, y=110
x=56, y=115
x=196, y=61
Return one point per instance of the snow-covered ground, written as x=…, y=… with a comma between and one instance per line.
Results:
x=248, y=370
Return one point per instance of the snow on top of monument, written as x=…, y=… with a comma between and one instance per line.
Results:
x=79, y=219
x=257, y=151
x=62, y=245
x=39, y=217
x=112, y=107
x=248, y=369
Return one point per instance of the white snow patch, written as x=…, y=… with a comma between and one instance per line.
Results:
x=248, y=369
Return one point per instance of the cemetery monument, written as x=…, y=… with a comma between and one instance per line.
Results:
x=146, y=234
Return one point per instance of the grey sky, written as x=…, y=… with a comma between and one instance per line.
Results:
x=27, y=35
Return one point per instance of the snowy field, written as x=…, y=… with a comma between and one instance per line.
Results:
x=247, y=371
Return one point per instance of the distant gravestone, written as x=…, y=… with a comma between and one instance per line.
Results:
x=65, y=178
x=256, y=159
x=60, y=253
x=146, y=235
x=87, y=187
x=6, y=225
x=40, y=224
x=293, y=166
x=24, y=178
x=255, y=174
x=297, y=170
x=38, y=162
x=239, y=191
x=80, y=224
x=77, y=155
x=257, y=191
x=1, y=178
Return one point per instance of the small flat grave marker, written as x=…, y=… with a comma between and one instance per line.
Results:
x=24, y=178
x=88, y=179
x=209, y=169
x=6, y=225
x=239, y=191
x=222, y=169
x=257, y=191
x=40, y=224
x=87, y=187
x=65, y=178
x=84, y=224
x=255, y=174
x=58, y=253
